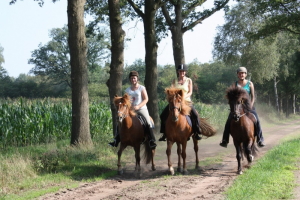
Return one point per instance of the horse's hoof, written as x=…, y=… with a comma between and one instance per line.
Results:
x=153, y=168
x=120, y=172
x=240, y=172
x=185, y=172
x=171, y=171
x=179, y=169
x=251, y=158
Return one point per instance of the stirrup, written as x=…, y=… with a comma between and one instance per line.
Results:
x=152, y=144
x=113, y=144
x=223, y=144
x=197, y=136
x=162, y=138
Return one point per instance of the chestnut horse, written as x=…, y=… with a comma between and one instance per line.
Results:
x=242, y=124
x=132, y=133
x=178, y=129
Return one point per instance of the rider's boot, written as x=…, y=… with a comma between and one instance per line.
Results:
x=116, y=140
x=151, y=138
x=162, y=130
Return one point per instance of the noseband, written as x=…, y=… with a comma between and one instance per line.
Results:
x=122, y=114
x=175, y=118
x=236, y=111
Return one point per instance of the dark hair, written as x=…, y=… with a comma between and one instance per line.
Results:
x=133, y=73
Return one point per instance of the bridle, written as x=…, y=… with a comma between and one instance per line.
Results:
x=236, y=114
x=173, y=107
x=122, y=114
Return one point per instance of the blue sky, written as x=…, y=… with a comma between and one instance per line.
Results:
x=25, y=25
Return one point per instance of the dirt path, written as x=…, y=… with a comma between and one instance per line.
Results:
x=207, y=183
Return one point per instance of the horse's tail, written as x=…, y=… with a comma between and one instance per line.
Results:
x=206, y=129
x=147, y=156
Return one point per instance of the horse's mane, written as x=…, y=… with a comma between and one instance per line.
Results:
x=234, y=93
x=175, y=92
x=125, y=100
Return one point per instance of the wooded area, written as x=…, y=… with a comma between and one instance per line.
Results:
x=263, y=36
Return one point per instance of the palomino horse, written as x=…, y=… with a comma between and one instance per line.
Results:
x=132, y=133
x=178, y=129
x=241, y=124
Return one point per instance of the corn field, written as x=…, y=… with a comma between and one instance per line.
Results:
x=28, y=122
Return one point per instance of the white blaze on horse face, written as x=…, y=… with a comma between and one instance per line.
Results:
x=122, y=112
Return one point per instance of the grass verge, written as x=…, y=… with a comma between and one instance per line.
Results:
x=272, y=177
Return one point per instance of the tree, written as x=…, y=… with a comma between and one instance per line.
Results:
x=102, y=12
x=80, y=134
x=184, y=18
x=148, y=18
x=52, y=60
x=232, y=45
x=279, y=16
x=1, y=56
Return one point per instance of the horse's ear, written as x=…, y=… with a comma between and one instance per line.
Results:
x=116, y=95
x=167, y=91
x=180, y=92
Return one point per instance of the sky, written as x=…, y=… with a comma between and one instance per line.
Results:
x=25, y=25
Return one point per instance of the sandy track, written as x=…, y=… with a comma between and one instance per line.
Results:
x=207, y=183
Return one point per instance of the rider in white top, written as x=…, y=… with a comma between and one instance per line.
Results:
x=139, y=99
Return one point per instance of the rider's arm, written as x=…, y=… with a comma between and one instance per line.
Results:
x=252, y=94
x=190, y=92
x=144, y=99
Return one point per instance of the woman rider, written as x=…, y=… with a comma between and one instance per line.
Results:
x=139, y=99
x=249, y=87
x=186, y=84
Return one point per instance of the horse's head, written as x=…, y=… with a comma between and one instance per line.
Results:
x=177, y=104
x=123, y=106
x=239, y=102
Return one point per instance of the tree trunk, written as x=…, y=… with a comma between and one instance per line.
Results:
x=80, y=134
x=287, y=106
x=114, y=82
x=151, y=60
x=276, y=94
x=294, y=104
x=177, y=33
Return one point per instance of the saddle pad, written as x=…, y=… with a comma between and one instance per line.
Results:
x=188, y=118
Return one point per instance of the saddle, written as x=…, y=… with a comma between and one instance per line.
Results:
x=252, y=117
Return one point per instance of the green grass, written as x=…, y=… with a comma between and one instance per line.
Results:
x=271, y=177
x=30, y=172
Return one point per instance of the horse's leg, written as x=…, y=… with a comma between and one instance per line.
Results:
x=152, y=160
x=238, y=157
x=137, y=159
x=179, y=152
x=168, y=152
x=122, y=147
x=196, y=148
x=248, y=151
x=183, y=154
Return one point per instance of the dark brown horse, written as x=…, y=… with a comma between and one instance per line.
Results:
x=178, y=129
x=132, y=134
x=241, y=124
